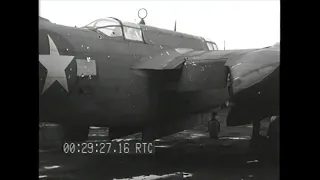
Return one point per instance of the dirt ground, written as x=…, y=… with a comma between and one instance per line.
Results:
x=189, y=154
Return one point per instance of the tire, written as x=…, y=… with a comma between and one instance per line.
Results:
x=214, y=128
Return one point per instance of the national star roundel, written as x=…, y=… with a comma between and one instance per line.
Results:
x=57, y=64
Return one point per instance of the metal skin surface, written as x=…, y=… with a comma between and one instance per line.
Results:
x=256, y=86
x=87, y=78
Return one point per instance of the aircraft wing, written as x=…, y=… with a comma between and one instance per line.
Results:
x=204, y=70
x=256, y=86
x=253, y=67
x=195, y=70
x=173, y=58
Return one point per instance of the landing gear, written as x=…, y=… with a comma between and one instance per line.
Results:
x=75, y=133
x=214, y=127
x=266, y=145
x=274, y=136
x=230, y=83
x=255, y=137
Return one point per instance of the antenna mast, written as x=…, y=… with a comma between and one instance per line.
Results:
x=142, y=17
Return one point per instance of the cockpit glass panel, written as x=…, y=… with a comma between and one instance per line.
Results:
x=106, y=22
x=91, y=25
x=215, y=47
x=111, y=31
x=103, y=22
x=210, y=46
x=129, y=24
x=108, y=26
x=132, y=33
x=112, y=28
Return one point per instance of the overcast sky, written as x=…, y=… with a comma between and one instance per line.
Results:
x=242, y=24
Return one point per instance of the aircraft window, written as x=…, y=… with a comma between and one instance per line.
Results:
x=215, y=46
x=111, y=31
x=91, y=25
x=132, y=33
x=210, y=46
x=102, y=23
x=129, y=24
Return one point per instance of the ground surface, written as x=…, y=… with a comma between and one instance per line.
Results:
x=189, y=154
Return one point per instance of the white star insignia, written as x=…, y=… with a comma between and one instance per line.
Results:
x=56, y=65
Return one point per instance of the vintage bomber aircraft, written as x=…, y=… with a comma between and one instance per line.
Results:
x=128, y=77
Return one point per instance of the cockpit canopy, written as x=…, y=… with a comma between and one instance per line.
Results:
x=113, y=27
x=210, y=44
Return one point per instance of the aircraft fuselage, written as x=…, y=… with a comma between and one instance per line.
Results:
x=87, y=78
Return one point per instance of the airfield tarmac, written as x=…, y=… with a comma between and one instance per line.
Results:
x=190, y=154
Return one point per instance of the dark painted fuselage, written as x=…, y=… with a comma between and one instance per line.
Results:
x=98, y=85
